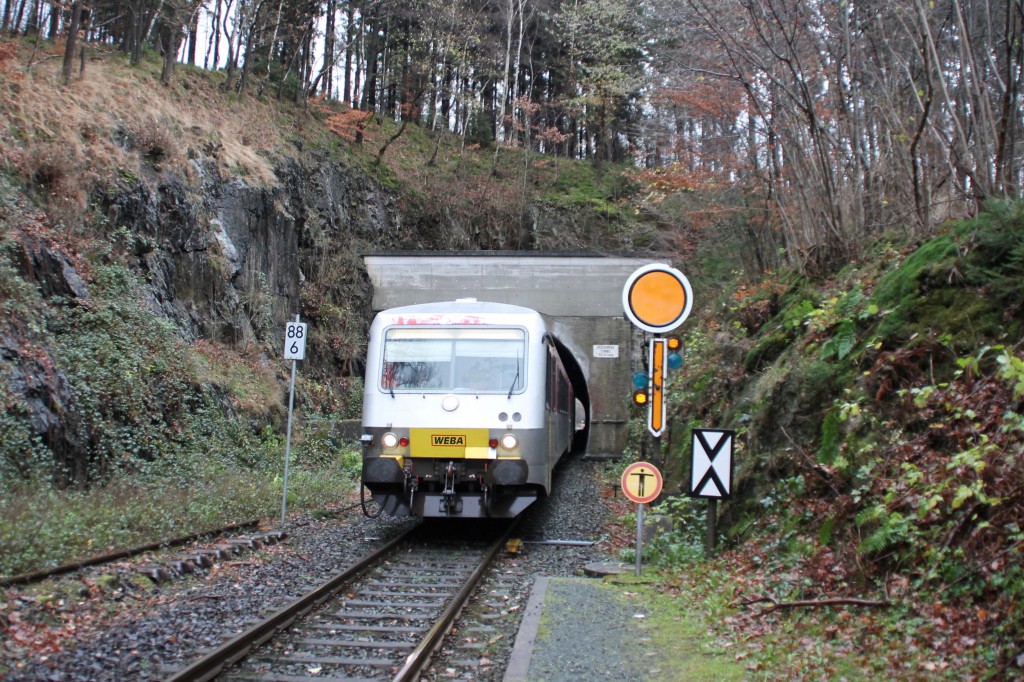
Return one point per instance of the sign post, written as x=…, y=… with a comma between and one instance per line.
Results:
x=639, y=489
x=657, y=298
x=294, y=350
x=711, y=472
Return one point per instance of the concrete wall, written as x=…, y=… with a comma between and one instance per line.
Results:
x=582, y=295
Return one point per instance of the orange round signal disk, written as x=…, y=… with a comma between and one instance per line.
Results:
x=657, y=298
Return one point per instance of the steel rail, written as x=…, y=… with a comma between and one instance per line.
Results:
x=210, y=665
x=420, y=656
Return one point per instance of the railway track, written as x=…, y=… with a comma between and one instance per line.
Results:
x=36, y=576
x=71, y=567
x=381, y=619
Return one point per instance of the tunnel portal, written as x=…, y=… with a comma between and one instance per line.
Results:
x=582, y=296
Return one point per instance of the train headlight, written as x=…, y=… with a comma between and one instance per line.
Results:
x=509, y=441
x=389, y=440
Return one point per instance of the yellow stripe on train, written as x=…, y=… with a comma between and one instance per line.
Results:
x=450, y=443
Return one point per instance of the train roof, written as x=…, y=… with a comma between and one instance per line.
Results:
x=469, y=306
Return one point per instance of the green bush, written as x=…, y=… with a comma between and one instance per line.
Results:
x=683, y=545
x=995, y=258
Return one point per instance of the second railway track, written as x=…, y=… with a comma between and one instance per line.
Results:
x=379, y=620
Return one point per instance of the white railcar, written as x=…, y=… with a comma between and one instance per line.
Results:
x=467, y=409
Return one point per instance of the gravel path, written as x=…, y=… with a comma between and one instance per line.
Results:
x=615, y=651
x=128, y=631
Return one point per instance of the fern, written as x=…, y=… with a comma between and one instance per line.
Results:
x=893, y=529
x=843, y=342
x=830, y=438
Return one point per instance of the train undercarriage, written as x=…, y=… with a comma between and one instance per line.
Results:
x=449, y=488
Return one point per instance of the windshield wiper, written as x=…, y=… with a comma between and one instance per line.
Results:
x=514, y=381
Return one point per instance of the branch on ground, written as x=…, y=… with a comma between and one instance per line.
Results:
x=830, y=601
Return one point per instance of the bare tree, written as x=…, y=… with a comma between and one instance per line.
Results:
x=69, y=47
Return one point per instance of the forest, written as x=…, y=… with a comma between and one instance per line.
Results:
x=814, y=125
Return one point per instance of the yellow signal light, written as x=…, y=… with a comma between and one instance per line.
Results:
x=674, y=343
x=641, y=397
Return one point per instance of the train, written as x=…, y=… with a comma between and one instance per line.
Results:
x=467, y=409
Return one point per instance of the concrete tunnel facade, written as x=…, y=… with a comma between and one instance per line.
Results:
x=581, y=294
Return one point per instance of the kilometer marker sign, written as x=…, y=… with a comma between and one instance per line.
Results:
x=295, y=340
x=294, y=350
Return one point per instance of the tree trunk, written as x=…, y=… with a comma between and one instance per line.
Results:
x=16, y=25
x=330, y=45
x=359, y=54
x=137, y=35
x=232, y=39
x=304, y=65
x=56, y=10
x=350, y=35
x=214, y=38
x=69, y=49
x=193, y=38
x=509, y=8
x=32, y=25
x=370, y=88
x=170, y=38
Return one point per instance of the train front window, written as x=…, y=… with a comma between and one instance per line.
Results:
x=477, y=360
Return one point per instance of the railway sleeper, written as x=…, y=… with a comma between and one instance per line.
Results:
x=204, y=558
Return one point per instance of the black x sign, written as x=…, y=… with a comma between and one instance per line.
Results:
x=703, y=469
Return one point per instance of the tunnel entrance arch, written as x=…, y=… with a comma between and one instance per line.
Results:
x=581, y=294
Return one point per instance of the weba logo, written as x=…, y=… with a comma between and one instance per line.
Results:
x=448, y=441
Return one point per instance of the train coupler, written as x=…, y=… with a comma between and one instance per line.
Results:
x=450, y=502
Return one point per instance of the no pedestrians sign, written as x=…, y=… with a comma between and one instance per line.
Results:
x=641, y=482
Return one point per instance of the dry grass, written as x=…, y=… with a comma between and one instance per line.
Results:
x=68, y=139
x=245, y=376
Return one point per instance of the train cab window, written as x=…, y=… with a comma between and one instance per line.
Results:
x=481, y=360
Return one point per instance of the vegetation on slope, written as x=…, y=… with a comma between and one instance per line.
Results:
x=880, y=460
